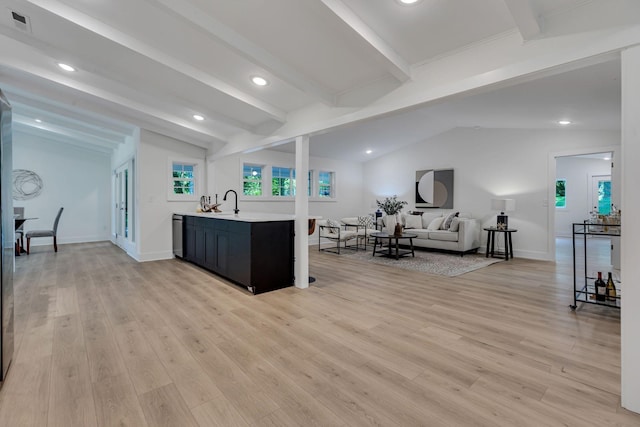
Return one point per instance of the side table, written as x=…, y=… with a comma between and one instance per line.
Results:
x=508, y=242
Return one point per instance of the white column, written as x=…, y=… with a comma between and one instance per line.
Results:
x=302, y=213
x=630, y=238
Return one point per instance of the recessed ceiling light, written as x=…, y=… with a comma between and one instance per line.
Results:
x=198, y=117
x=369, y=151
x=607, y=158
x=564, y=122
x=38, y=121
x=408, y=2
x=66, y=67
x=259, y=81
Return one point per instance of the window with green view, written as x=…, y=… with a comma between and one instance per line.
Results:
x=561, y=193
x=183, y=179
x=325, y=184
x=283, y=181
x=252, y=180
x=604, y=197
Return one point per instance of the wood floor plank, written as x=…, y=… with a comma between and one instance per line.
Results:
x=116, y=403
x=145, y=369
x=24, y=400
x=104, y=340
x=192, y=382
x=164, y=407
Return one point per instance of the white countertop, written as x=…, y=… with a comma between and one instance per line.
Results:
x=242, y=216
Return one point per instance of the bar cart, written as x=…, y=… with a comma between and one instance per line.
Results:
x=583, y=287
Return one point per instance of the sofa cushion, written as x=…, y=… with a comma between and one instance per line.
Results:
x=435, y=223
x=455, y=224
x=413, y=221
x=443, y=235
x=333, y=223
x=422, y=233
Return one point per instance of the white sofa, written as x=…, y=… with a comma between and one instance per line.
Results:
x=463, y=238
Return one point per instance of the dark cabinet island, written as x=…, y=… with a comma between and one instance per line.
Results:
x=255, y=251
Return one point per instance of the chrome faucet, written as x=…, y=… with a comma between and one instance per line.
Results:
x=224, y=199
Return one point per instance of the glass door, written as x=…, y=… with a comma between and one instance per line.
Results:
x=123, y=214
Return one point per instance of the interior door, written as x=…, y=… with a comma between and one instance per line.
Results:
x=121, y=213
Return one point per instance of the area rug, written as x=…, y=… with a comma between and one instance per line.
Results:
x=444, y=264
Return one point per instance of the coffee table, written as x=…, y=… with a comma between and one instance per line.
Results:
x=380, y=236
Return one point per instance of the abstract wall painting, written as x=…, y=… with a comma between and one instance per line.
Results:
x=434, y=188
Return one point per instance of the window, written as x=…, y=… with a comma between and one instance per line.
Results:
x=283, y=181
x=252, y=180
x=561, y=191
x=310, y=184
x=184, y=179
x=325, y=184
x=604, y=197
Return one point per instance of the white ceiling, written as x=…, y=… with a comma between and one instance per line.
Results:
x=155, y=63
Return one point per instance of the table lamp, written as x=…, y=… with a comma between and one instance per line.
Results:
x=503, y=205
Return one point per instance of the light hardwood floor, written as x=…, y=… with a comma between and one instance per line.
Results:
x=104, y=341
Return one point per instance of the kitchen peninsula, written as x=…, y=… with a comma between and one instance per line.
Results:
x=254, y=250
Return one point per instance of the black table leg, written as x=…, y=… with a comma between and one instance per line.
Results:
x=493, y=243
x=411, y=244
x=510, y=245
x=488, y=243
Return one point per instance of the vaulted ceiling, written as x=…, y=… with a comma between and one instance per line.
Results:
x=156, y=63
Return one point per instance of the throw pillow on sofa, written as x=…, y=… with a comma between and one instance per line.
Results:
x=428, y=217
x=413, y=221
x=435, y=223
x=447, y=220
x=455, y=224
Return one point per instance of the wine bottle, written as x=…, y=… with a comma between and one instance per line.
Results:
x=611, y=289
x=601, y=288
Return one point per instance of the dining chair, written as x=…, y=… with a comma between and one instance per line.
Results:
x=45, y=233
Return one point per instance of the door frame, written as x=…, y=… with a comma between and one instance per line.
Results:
x=551, y=187
x=123, y=194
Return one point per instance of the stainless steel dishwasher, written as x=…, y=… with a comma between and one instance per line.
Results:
x=177, y=235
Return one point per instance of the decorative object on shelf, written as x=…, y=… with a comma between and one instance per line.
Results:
x=611, y=289
x=434, y=188
x=206, y=206
x=601, y=288
x=503, y=205
x=392, y=207
x=587, y=289
x=397, y=231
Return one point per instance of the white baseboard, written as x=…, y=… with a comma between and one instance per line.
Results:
x=153, y=256
x=44, y=241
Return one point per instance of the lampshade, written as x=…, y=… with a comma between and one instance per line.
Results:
x=503, y=205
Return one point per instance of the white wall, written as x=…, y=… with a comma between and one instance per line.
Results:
x=578, y=172
x=154, y=210
x=630, y=202
x=488, y=163
x=226, y=173
x=75, y=178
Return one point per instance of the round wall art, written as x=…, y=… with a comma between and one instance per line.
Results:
x=26, y=184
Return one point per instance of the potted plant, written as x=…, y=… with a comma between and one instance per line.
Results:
x=392, y=207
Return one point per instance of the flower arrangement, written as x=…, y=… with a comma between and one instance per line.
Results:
x=391, y=205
